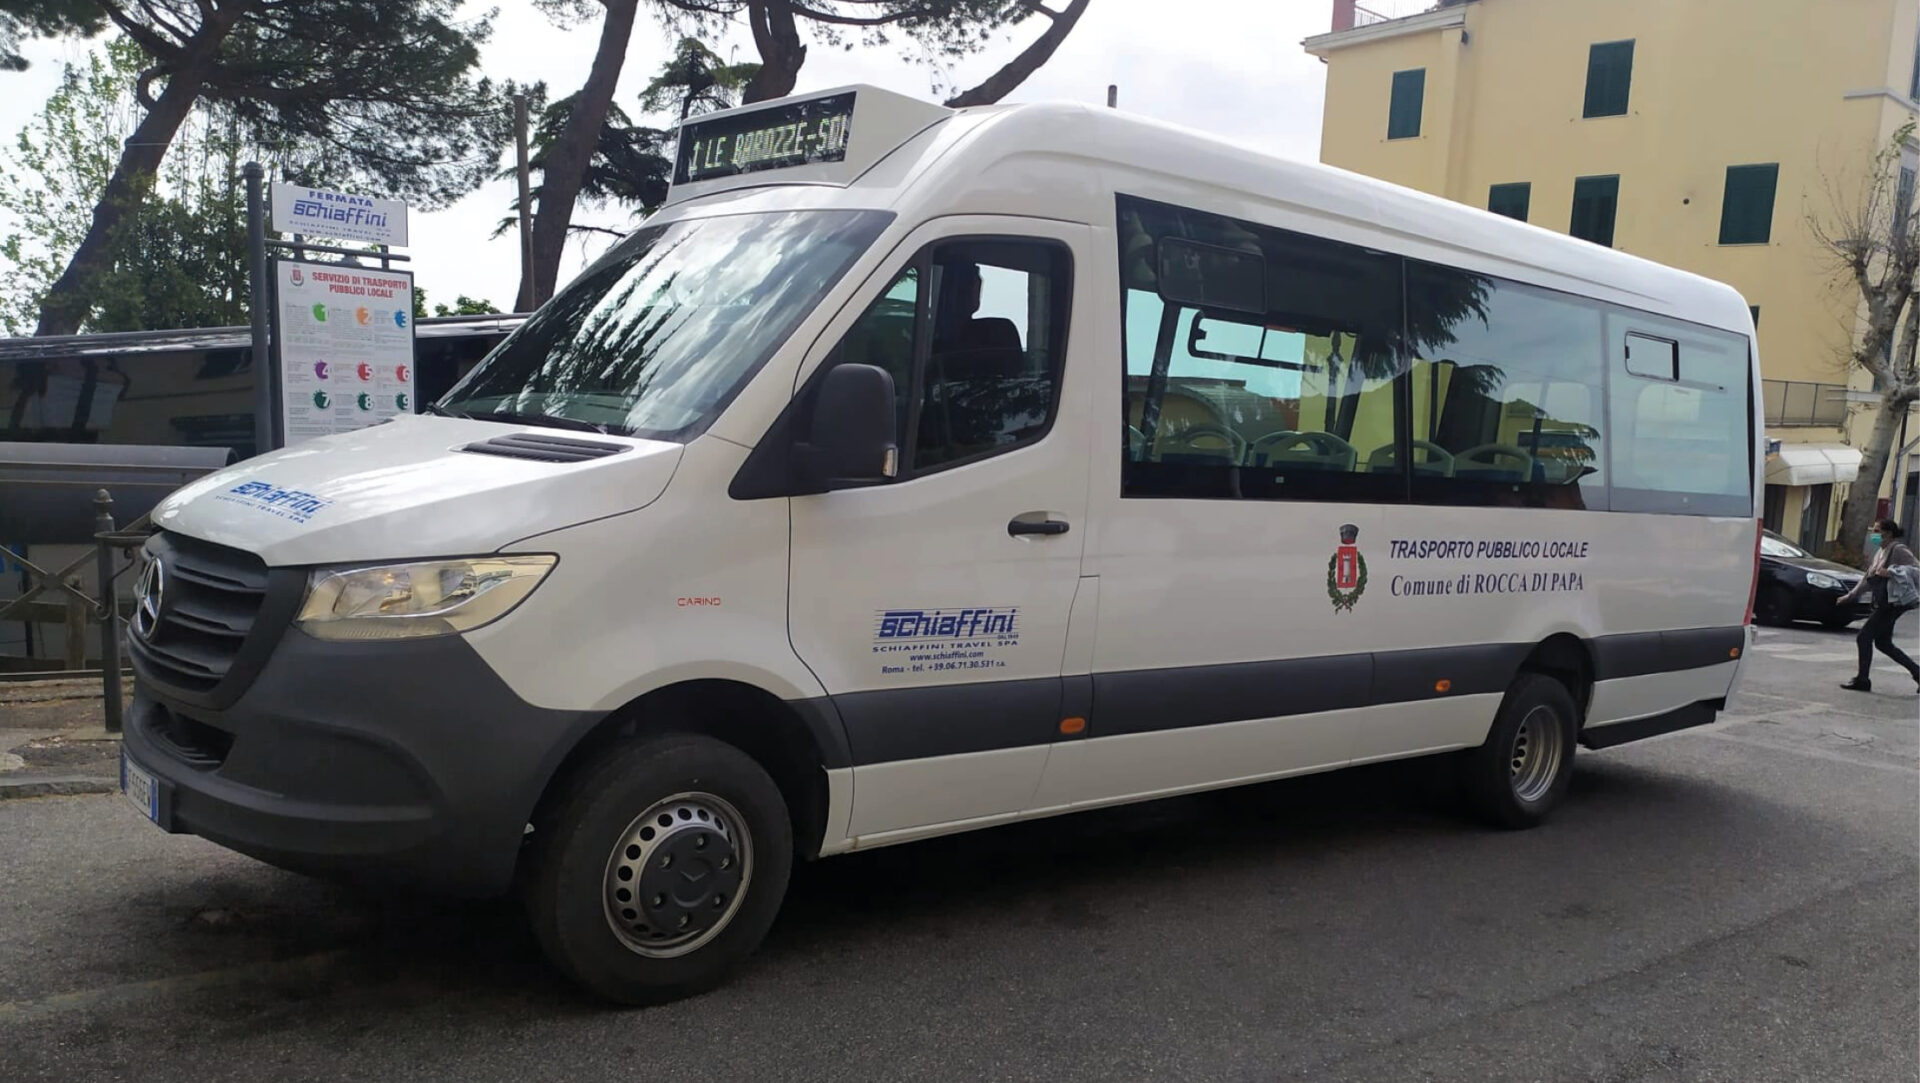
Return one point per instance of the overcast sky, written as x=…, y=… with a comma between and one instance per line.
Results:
x=1230, y=67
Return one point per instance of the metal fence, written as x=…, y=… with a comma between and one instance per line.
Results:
x=1803, y=402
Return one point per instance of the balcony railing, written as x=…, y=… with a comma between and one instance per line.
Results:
x=1803, y=402
x=1367, y=16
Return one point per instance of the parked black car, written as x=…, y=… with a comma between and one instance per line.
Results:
x=1796, y=585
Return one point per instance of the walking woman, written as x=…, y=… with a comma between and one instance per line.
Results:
x=1893, y=596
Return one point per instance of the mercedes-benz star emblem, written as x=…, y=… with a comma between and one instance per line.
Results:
x=149, y=593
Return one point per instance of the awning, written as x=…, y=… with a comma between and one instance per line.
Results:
x=1813, y=464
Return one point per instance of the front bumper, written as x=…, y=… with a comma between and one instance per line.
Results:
x=402, y=762
x=1815, y=604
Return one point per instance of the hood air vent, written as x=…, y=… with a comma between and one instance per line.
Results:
x=545, y=449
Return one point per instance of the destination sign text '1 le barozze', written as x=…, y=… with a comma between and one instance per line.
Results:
x=318, y=212
x=799, y=133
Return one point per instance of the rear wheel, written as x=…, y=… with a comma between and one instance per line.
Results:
x=1522, y=771
x=660, y=868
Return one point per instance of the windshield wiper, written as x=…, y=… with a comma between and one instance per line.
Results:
x=542, y=419
x=438, y=410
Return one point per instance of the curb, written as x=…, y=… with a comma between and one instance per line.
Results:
x=63, y=786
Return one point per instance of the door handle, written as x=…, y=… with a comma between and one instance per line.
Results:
x=1036, y=526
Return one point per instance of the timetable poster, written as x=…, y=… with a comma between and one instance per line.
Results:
x=345, y=346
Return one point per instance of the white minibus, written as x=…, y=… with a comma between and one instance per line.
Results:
x=917, y=470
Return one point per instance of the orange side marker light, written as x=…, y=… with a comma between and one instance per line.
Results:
x=1443, y=685
x=1071, y=726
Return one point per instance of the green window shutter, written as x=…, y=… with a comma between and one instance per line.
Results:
x=1746, y=212
x=1609, y=79
x=1595, y=199
x=1913, y=86
x=1755, y=309
x=1510, y=199
x=1409, y=96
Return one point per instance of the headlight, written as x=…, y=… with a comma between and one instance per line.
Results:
x=404, y=601
x=1824, y=582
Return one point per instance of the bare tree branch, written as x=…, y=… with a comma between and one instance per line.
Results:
x=143, y=36
x=1873, y=237
x=1015, y=71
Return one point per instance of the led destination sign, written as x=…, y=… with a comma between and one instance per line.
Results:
x=799, y=133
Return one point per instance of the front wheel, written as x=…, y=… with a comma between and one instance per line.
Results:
x=1522, y=771
x=659, y=868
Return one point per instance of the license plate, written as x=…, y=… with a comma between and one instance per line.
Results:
x=140, y=789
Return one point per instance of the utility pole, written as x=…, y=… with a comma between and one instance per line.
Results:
x=526, y=301
x=265, y=400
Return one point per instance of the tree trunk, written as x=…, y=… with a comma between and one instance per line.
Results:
x=1863, y=496
x=777, y=38
x=570, y=155
x=1015, y=71
x=70, y=298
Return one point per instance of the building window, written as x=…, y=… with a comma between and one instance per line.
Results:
x=1746, y=213
x=1609, y=78
x=1409, y=97
x=1510, y=200
x=1913, y=87
x=1903, y=195
x=1814, y=512
x=1595, y=199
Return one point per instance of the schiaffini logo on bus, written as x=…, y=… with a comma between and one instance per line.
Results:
x=1346, y=571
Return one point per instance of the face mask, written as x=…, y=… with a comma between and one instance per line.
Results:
x=1874, y=540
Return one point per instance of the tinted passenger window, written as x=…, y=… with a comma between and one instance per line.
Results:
x=1508, y=392
x=973, y=333
x=1259, y=362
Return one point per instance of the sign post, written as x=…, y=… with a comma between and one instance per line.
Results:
x=263, y=390
x=342, y=334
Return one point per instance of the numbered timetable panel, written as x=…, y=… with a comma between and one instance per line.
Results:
x=345, y=346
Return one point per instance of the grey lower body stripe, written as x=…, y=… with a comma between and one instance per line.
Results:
x=1639, y=654
x=951, y=719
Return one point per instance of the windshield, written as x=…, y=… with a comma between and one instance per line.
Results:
x=1775, y=546
x=656, y=338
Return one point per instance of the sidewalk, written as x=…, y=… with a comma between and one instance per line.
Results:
x=53, y=740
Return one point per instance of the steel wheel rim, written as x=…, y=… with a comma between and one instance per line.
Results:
x=1538, y=749
x=677, y=875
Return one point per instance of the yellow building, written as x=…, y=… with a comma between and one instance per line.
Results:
x=1699, y=133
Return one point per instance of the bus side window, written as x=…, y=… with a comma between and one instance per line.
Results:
x=1685, y=444
x=1258, y=362
x=1507, y=392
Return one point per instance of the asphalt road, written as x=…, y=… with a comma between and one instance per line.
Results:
x=1734, y=903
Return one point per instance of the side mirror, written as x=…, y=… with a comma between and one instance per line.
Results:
x=852, y=439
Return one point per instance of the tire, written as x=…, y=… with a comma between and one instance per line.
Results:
x=699, y=798
x=1506, y=781
x=1836, y=623
x=1775, y=607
